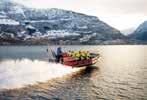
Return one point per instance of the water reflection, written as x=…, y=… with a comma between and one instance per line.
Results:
x=88, y=72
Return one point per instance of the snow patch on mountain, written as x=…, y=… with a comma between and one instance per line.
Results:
x=8, y=22
x=2, y=15
x=60, y=33
x=142, y=28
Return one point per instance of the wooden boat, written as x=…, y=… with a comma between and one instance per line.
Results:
x=70, y=61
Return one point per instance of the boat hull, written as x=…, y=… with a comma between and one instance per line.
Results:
x=82, y=63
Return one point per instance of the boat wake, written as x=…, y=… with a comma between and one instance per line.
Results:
x=19, y=73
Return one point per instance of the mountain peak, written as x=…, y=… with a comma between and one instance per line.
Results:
x=141, y=32
x=142, y=28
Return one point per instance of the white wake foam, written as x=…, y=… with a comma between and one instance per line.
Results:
x=18, y=73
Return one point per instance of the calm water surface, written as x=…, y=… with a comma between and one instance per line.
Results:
x=120, y=74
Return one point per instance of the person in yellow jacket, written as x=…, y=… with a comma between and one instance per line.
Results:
x=69, y=53
x=87, y=55
x=73, y=54
x=78, y=55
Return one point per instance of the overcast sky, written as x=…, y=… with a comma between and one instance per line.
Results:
x=121, y=14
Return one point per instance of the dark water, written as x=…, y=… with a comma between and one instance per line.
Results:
x=120, y=74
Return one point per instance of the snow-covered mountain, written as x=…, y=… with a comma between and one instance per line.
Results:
x=140, y=33
x=28, y=23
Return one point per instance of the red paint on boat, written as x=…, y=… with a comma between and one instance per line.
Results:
x=70, y=61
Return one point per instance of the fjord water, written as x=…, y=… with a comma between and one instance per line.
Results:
x=121, y=73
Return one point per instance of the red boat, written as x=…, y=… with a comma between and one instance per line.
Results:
x=73, y=61
x=70, y=61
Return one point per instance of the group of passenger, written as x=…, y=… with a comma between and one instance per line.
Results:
x=79, y=55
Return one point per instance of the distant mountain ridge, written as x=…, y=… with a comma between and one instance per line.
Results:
x=30, y=25
x=140, y=33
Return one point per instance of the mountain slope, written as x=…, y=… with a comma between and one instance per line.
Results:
x=140, y=33
x=54, y=25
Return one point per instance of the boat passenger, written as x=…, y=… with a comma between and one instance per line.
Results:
x=69, y=53
x=87, y=55
x=78, y=55
x=59, y=55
